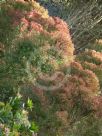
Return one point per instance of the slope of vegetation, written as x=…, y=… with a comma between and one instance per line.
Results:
x=40, y=75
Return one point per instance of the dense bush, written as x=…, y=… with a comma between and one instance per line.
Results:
x=36, y=60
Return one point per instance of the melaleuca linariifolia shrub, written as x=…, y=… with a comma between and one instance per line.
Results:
x=50, y=36
x=16, y=55
x=91, y=59
x=37, y=41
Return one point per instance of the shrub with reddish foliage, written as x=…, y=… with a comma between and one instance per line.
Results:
x=44, y=43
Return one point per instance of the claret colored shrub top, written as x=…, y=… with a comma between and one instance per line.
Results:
x=42, y=43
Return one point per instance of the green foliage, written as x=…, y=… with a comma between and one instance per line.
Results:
x=30, y=104
x=7, y=31
x=20, y=6
x=14, y=118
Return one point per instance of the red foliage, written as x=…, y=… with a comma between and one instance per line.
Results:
x=97, y=105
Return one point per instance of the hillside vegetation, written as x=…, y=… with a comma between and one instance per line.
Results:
x=45, y=89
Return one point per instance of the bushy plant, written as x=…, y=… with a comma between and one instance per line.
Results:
x=92, y=59
x=36, y=56
x=14, y=119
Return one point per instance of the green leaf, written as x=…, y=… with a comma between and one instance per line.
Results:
x=34, y=127
x=30, y=104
